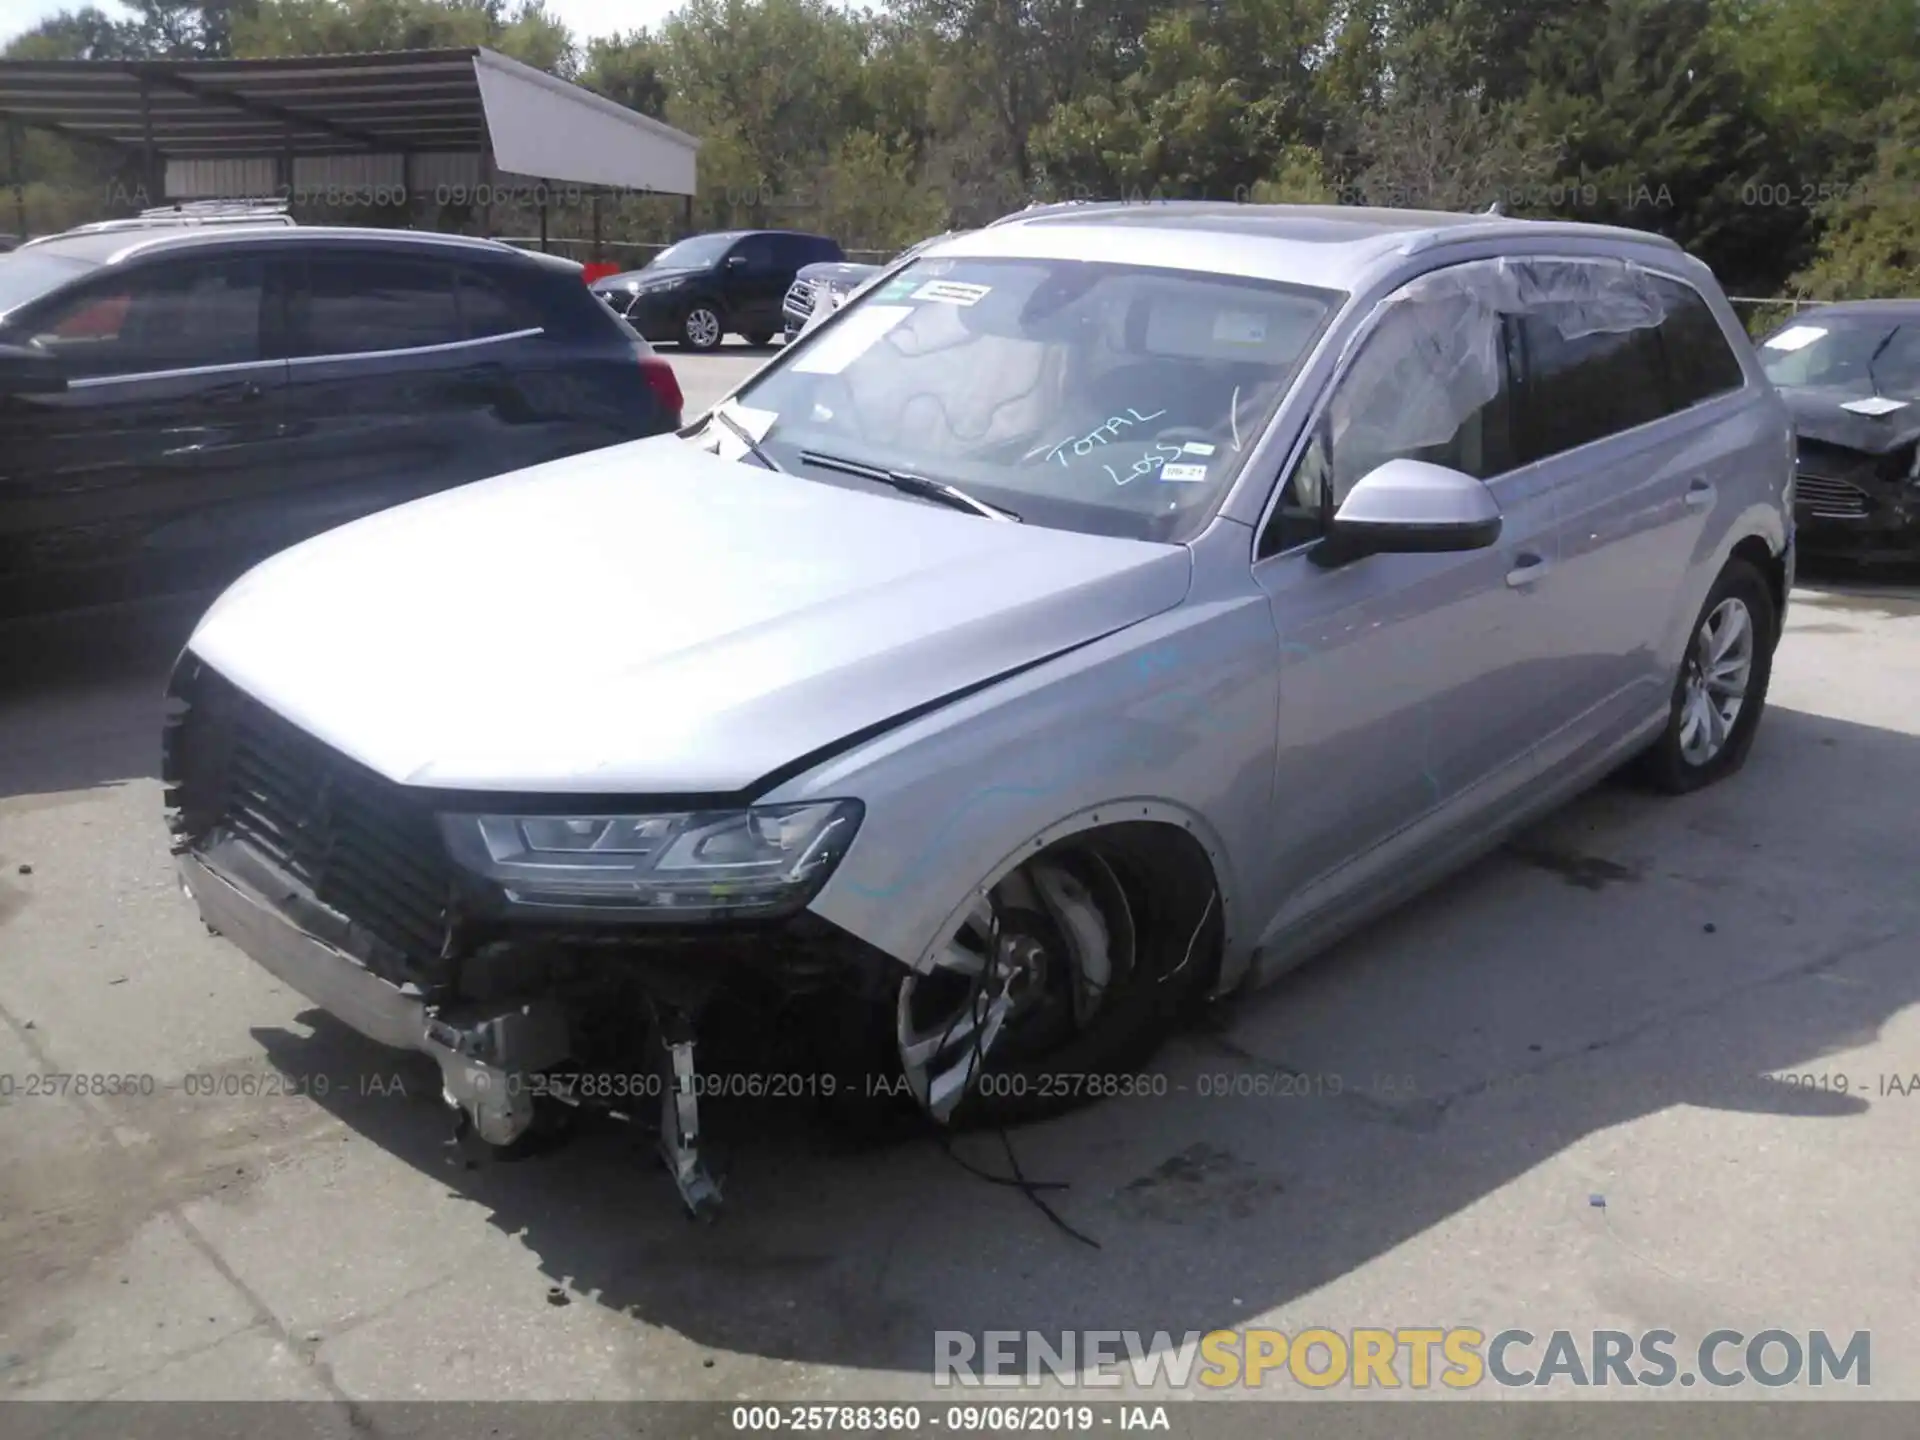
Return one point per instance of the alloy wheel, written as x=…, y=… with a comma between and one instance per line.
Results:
x=1719, y=667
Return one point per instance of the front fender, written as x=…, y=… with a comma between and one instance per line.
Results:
x=1170, y=721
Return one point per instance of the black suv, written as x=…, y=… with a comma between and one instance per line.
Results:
x=178, y=404
x=699, y=290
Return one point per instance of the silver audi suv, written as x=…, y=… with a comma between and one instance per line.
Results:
x=1100, y=613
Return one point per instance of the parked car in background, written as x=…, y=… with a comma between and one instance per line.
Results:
x=1102, y=612
x=702, y=289
x=176, y=404
x=1851, y=375
x=818, y=290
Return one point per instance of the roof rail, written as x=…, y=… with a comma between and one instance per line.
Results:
x=1487, y=225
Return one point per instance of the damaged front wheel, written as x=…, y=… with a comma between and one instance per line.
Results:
x=1056, y=980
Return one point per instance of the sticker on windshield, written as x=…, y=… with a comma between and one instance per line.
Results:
x=849, y=339
x=1874, y=405
x=1197, y=447
x=1186, y=474
x=1239, y=327
x=901, y=289
x=1798, y=338
x=952, y=292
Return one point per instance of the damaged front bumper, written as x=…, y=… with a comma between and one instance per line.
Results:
x=483, y=1056
x=344, y=886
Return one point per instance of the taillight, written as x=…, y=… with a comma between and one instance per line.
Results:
x=663, y=383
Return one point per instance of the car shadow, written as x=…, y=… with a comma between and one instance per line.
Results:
x=81, y=697
x=1629, y=956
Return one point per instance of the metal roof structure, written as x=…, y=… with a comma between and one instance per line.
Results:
x=301, y=109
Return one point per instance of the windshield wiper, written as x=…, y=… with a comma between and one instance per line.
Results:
x=753, y=445
x=908, y=483
x=1872, y=359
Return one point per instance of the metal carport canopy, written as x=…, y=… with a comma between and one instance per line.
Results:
x=402, y=102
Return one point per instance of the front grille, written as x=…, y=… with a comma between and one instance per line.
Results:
x=1829, y=498
x=799, y=299
x=363, y=846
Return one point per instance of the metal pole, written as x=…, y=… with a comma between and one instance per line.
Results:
x=543, y=219
x=686, y=215
x=156, y=183
x=406, y=187
x=595, y=204
x=486, y=190
x=17, y=175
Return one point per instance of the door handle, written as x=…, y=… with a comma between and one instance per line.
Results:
x=1700, y=494
x=1528, y=571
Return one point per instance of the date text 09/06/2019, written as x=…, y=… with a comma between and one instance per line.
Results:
x=970, y=1419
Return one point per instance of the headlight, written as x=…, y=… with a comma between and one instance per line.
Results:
x=698, y=865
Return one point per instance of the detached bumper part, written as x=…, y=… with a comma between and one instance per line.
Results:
x=485, y=1052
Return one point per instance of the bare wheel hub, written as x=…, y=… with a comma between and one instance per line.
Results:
x=1022, y=972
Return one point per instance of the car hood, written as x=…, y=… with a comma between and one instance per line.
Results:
x=1819, y=414
x=653, y=619
x=838, y=272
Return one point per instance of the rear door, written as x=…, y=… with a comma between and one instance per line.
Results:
x=388, y=397
x=757, y=286
x=136, y=480
x=1606, y=375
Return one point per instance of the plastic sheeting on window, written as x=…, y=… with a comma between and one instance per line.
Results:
x=1434, y=360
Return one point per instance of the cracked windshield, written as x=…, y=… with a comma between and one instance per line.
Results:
x=1080, y=395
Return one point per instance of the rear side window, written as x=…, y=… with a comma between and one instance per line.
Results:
x=491, y=305
x=759, y=252
x=1700, y=362
x=156, y=317
x=357, y=304
x=1580, y=388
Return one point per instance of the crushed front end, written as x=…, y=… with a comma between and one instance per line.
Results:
x=549, y=954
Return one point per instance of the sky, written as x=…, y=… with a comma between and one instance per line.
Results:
x=586, y=18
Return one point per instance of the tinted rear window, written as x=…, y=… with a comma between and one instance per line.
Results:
x=1584, y=388
x=355, y=304
x=1700, y=362
x=491, y=303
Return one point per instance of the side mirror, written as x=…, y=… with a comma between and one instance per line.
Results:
x=25, y=370
x=1408, y=507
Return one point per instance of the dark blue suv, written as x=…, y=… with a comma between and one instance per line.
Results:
x=702, y=289
x=178, y=404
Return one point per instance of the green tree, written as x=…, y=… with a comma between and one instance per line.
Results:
x=626, y=68
x=1870, y=247
x=1218, y=96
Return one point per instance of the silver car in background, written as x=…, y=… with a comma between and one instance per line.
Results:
x=1106, y=610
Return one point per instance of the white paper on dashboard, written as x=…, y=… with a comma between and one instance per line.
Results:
x=850, y=338
x=1874, y=405
x=1798, y=338
x=729, y=446
x=755, y=422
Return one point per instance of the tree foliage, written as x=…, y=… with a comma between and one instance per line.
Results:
x=1775, y=138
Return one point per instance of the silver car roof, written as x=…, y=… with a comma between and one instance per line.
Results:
x=1334, y=247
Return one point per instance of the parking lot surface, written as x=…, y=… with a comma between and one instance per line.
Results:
x=1566, y=1099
